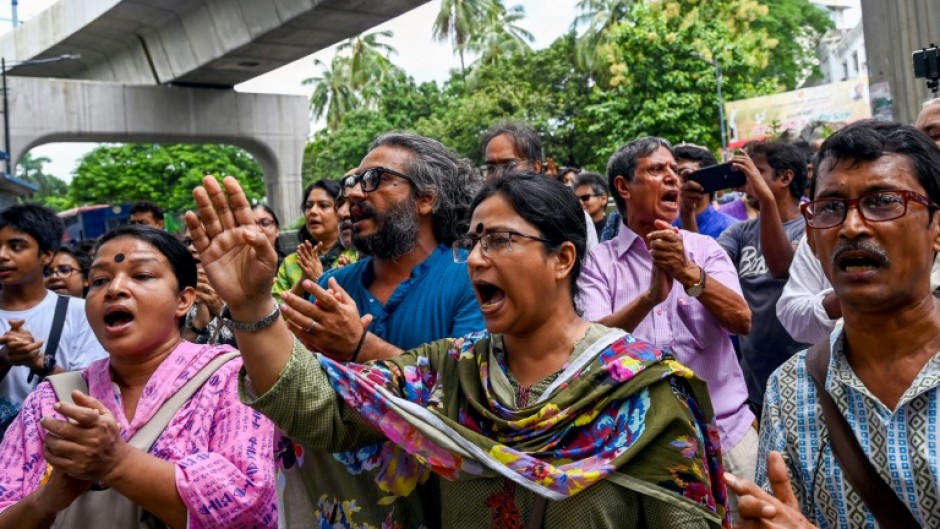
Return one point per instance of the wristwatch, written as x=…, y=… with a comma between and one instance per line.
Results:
x=48, y=367
x=263, y=323
x=697, y=289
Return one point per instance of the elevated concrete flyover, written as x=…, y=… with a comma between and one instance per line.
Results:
x=163, y=71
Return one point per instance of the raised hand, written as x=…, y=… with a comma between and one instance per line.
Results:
x=758, y=186
x=660, y=286
x=308, y=257
x=238, y=259
x=668, y=253
x=758, y=509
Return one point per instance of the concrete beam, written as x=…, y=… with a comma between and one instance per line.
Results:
x=272, y=128
x=217, y=43
x=893, y=30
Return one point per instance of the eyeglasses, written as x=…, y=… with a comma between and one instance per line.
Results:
x=877, y=206
x=368, y=179
x=495, y=243
x=63, y=271
x=265, y=223
x=492, y=169
x=585, y=198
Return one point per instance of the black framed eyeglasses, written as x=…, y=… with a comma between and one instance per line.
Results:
x=369, y=180
x=876, y=206
x=585, y=198
x=63, y=271
x=264, y=223
x=493, y=243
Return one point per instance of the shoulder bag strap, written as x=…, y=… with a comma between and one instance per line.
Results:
x=147, y=435
x=881, y=499
x=58, y=322
x=537, y=516
x=65, y=383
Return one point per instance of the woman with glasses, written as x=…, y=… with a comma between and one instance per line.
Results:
x=545, y=420
x=319, y=246
x=270, y=226
x=68, y=272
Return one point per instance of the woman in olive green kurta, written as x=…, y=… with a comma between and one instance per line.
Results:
x=544, y=409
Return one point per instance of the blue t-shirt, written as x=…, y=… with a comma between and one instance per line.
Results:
x=436, y=302
x=711, y=222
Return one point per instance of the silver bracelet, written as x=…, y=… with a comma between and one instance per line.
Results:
x=256, y=326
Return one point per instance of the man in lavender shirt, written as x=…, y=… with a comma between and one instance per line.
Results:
x=673, y=288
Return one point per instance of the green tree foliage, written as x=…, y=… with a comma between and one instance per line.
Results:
x=797, y=26
x=500, y=36
x=595, y=19
x=165, y=174
x=458, y=21
x=645, y=81
x=662, y=81
x=53, y=192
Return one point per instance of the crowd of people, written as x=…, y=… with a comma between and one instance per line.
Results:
x=464, y=347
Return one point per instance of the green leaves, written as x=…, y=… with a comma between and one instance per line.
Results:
x=165, y=174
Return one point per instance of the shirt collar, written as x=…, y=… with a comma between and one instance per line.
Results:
x=626, y=239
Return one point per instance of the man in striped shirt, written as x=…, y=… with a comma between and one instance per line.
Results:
x=874, y=226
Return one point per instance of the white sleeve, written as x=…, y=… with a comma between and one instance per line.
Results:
x=591, y=232
x=800, y=309
x=78, y=346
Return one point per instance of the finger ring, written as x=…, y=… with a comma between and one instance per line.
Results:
x=311, y=326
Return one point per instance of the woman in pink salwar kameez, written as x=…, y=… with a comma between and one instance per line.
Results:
x=212, y=466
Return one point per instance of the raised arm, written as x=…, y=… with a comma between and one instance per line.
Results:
x=241, y=265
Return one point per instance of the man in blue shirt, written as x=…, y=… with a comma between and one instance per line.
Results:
x=696, y=213
x=408, y=203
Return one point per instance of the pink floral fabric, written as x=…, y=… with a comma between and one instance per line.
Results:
x=223, y=450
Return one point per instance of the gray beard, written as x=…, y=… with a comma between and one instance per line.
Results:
x=396, y=236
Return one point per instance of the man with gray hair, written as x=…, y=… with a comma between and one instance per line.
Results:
x=407, y=203
x=673, y=288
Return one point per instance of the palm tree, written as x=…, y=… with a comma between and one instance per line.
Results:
x=458, y=20
x=500, y=36
x=598, y=17
x=368, y=58
x=333, y=94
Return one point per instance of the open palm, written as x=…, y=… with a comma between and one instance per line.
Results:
x=238, y=259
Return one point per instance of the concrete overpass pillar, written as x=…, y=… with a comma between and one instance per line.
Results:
x=272, y=128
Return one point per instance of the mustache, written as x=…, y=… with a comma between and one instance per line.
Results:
x=359, y=211
x=862, y=245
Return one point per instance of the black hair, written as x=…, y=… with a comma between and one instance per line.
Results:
x=623, y=163
x=867, y=140
x=704, y=157
x=144, y=206
x=436, y=170
x=781, y=156
x=277, y=224
x=39, y=222
x=332, y=188
x=182, y=262
x=548, y=205
x=80, y=256
x=596, y=181
x=525, y=140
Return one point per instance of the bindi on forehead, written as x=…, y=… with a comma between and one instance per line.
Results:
x=119, y=258
x=479, y=228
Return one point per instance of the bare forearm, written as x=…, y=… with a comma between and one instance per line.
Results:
x=150, y=483
x=375, y=348
x=728, y=308
x=264, y=352
x=776, y=247
x=28, y=513
x=832, y=306
x=630, y=315
x=689, y=222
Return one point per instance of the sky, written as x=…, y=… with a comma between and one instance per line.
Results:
x=418, y=55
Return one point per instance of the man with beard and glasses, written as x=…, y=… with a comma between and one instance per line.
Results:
x=407, y=204
x=874, y=227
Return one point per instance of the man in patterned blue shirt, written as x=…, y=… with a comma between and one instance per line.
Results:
x=875, y=229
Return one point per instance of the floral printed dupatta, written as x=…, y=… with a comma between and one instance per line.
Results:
x=622, y=411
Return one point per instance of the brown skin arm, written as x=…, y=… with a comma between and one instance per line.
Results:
x=775, y=243
x=831, y=303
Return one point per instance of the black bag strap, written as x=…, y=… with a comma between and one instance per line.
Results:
x=881, y=499
x=58, y=322
x=55, y=333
